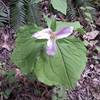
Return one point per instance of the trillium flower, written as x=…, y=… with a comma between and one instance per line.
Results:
x=51, y=37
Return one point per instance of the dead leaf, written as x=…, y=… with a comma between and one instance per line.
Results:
x=98, y=21
x=91, y=35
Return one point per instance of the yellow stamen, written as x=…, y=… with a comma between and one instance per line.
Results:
x=53, y=35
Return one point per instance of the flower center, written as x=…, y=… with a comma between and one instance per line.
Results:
x=53, y=35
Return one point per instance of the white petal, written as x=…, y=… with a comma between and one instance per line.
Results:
x=44, y=34
x=51, y=47
x=65, y=32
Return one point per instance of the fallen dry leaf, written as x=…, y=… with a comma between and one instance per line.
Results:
x=98, y=22
x=91, y=35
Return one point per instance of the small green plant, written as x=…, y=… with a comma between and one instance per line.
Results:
x=60, y=5
x=9, y=78
x=61, y=68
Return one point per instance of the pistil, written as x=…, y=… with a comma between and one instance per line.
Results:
x=52, y=35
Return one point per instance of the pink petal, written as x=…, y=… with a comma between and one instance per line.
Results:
x=44, y=34
x=51, y=47
x=65, y=32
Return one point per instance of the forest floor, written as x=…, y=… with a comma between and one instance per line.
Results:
x=24, y=88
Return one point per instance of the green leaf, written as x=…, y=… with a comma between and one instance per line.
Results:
x=26, y=51
x=60, y=24
x=75, y=24
x=60, y=5
x=65, y=67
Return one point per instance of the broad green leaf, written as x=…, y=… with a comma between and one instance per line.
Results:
x=75, y=24
x=65, y=67
x=26, y=51
x=60, y=24
x=60, y=5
